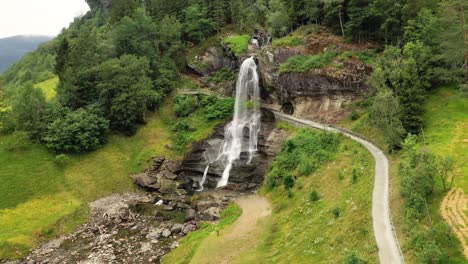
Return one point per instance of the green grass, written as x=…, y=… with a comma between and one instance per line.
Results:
x=302, y=231
x=445, y=133
x=288, y=41
x=239, y=44
x=40, y=199
x=48, y=87
x=189, y=244
x=446, y=128
x=306, y=63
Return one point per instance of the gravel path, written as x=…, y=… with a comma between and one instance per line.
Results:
x=236, y=240
x=387, y=242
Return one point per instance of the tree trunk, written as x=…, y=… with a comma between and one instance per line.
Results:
x=341, y=23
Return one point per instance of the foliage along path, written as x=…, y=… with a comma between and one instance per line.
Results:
x=387, y=242
x=239, y=238
x=453, y=210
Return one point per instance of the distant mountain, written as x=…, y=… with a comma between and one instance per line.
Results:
x=14, y=48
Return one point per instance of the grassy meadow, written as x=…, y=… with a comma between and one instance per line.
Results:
x=42, y=197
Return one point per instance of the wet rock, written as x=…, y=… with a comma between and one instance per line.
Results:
x=211, y=214
x=190, y=215
x=177, y=228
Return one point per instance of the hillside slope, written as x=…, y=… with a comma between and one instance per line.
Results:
x=14, y=48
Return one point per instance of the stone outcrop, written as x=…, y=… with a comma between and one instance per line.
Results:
x=243, y=176
x=161, y=177
x=210, y=61
x=319, y=94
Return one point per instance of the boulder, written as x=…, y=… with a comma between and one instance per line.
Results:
x=190, y=215
x=188, y=228
x=211, y=214
x=212, y=60
x=143, y=180
x=154, y=235
x=167, y=186
x=169, y=175
x=177, y=228
x=166, y=233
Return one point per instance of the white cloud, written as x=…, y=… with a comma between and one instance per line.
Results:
x=38, y=17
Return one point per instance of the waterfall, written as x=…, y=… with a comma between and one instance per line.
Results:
x=241, y=135
x=246, y=119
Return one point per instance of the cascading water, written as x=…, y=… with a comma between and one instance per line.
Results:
x=246, y=121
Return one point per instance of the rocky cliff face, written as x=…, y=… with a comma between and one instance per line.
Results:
x=319, y=94
x=243, y=176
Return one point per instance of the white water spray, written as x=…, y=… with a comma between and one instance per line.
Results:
x=241, y=135
x=246, y=120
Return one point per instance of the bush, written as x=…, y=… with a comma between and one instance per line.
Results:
x=337, y=212
x=307, y=166
x=62, y=160
x=354, y=258
x=354, y=115
x=181, y=125
x=220, y=109
x=306, y=63
x=314, y=196
x=288, y=182
x=184, y=105
x=223, y=75
x=78, y=131
x=239, y=44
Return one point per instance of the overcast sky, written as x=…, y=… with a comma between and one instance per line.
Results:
x=38, y=17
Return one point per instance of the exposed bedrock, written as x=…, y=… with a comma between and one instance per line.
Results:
x=243, y=176
x=319, y=94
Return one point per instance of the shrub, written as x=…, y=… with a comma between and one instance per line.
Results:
x=271, y=182
x=314, y=196
x=341, y=175
x=306, y=63
x=354, y=115
x=307, y=166
x=221, y=109
x=62, y=160
x=181, y=125
x=225, y=74
x=337, y=212
x=184, y=105
x=288, y=182
x=239, y=44
x=354, y=258
x=78, y=131
x=355, y=175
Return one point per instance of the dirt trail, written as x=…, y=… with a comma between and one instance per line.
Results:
x=242, y=236
x=454, y=208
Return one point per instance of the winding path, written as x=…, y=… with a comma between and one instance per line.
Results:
x=387, y=242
